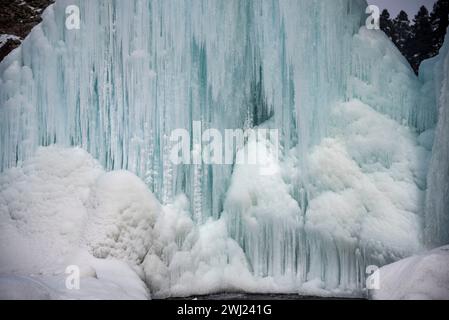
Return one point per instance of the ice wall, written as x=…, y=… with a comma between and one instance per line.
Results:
x=435, y=76
x=137, y=70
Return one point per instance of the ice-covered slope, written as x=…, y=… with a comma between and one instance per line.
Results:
x=435, y=75
x=381, y=77
x=350, y=184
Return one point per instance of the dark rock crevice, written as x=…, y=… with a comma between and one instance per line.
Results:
x=17, y=18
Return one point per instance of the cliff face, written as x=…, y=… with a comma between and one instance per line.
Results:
x=17, y=18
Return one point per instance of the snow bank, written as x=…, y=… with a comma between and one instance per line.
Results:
x=57, y=207
x=421, y=277
x=43, y=208
x=102, y=280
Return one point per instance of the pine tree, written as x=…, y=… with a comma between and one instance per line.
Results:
x=421, y=46
x=424, y=38
x=440, y=22
x=402, y=31
x=386, y=24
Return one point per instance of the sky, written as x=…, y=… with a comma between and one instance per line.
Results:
x=409, y=6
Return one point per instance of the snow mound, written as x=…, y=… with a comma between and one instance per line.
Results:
x=420, y=277
x=122, y=213
x=56, y=208
x=112, y=280
x=43, y=208
x=189, y=260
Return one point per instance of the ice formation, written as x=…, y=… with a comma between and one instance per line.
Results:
x=357, y=130
x=435, y=74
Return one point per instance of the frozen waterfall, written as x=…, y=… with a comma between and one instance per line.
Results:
x=356, y=134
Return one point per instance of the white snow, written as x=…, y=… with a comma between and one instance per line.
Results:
x=5, y=37
x=112, y=280
x=122, y=212
x=421, y=277
x=365, y=185
x=42, y=208
x=49, y=209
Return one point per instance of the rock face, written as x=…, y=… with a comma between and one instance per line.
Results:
x=17, y=18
